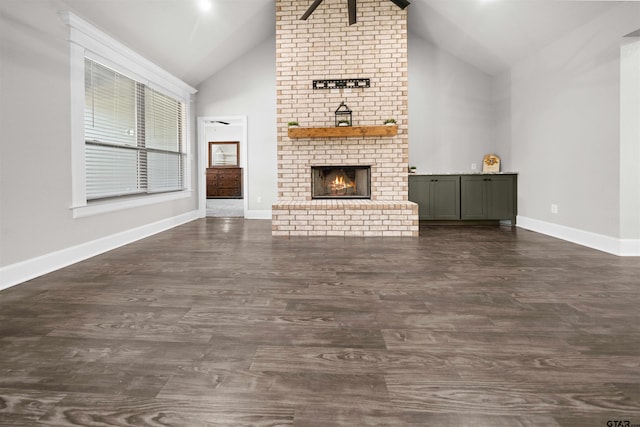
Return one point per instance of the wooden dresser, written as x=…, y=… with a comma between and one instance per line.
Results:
x=224, y=182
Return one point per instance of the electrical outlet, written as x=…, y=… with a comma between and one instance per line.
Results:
x=554, y=208
x=259, y=199
x=474, y=166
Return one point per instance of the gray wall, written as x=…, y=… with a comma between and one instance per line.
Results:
x=501, y=97
x=35, y=150
x=565, y=120
x=451, y=112
x=630, y=139
x=247, y=88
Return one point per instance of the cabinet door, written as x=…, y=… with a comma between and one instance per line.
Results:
x=444, y=197
x=419, y=193
x=473, y=197
x=437, y=196
x=500, y=197
x=490, y=197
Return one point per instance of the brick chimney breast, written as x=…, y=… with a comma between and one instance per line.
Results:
x=326, y=47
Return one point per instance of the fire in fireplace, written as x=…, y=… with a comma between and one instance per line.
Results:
x=341, y=182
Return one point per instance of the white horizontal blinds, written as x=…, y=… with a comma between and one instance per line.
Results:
x=110, y=106
x=111, y=172
x=163, y=120
x=111, y=156
x=134, y=136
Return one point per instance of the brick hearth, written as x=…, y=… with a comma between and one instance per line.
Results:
x=344, y=218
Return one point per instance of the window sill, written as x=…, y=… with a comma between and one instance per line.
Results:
x=97, y=208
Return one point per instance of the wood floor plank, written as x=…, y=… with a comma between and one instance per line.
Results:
x=250, y=317
x=57, y=376
x=514, y=398
x=294, y=389
x=299, y=335
x=318, y=416
x=350, y=360
x=101, y=410
x=25, y=407
x=128, y=329
x=511, y=343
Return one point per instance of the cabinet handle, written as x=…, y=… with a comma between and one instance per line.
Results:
x=434, y=180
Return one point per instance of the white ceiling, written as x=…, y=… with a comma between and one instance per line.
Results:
x=177, y=35
x=193, y=44
x=495, y=34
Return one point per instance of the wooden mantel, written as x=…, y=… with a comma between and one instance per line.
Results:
x=343, y=131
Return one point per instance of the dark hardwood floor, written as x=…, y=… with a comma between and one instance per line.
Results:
x=216, y=323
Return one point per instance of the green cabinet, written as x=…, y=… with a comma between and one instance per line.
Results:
x=473, y=197
x=437, y=196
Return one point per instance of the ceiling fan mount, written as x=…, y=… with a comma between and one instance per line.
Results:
x=402, y=4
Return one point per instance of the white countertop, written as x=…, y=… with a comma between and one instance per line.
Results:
x=463, y=173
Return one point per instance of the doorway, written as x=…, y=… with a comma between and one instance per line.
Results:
x=214, y=131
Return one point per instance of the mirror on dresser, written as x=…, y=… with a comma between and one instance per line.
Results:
x=224, y=174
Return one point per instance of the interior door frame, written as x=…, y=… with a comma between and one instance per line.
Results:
x=204, y=123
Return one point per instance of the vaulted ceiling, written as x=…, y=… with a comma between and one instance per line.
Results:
x=193, y=44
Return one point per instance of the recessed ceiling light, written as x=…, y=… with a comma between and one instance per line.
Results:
x=205, y=5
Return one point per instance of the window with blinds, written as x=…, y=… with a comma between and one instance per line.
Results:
x=134, y=137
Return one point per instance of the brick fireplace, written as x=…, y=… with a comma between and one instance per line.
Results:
x=326, y=47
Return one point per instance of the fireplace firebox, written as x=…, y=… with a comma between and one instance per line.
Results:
x=341, y=182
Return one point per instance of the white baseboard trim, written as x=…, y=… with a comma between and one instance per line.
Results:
x=611, y=245
x=253, y=214
x=20, y=272
x=629, y=247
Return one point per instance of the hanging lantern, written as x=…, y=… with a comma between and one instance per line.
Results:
x=343, y=115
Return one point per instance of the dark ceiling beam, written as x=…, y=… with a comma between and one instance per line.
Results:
x=352, y=9
x=352, y=12
x=401, y=3
x=311, y=9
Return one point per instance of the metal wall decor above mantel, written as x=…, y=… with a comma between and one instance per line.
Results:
x=342, y=84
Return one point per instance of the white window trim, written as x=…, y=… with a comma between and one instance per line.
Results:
x=87, y=40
